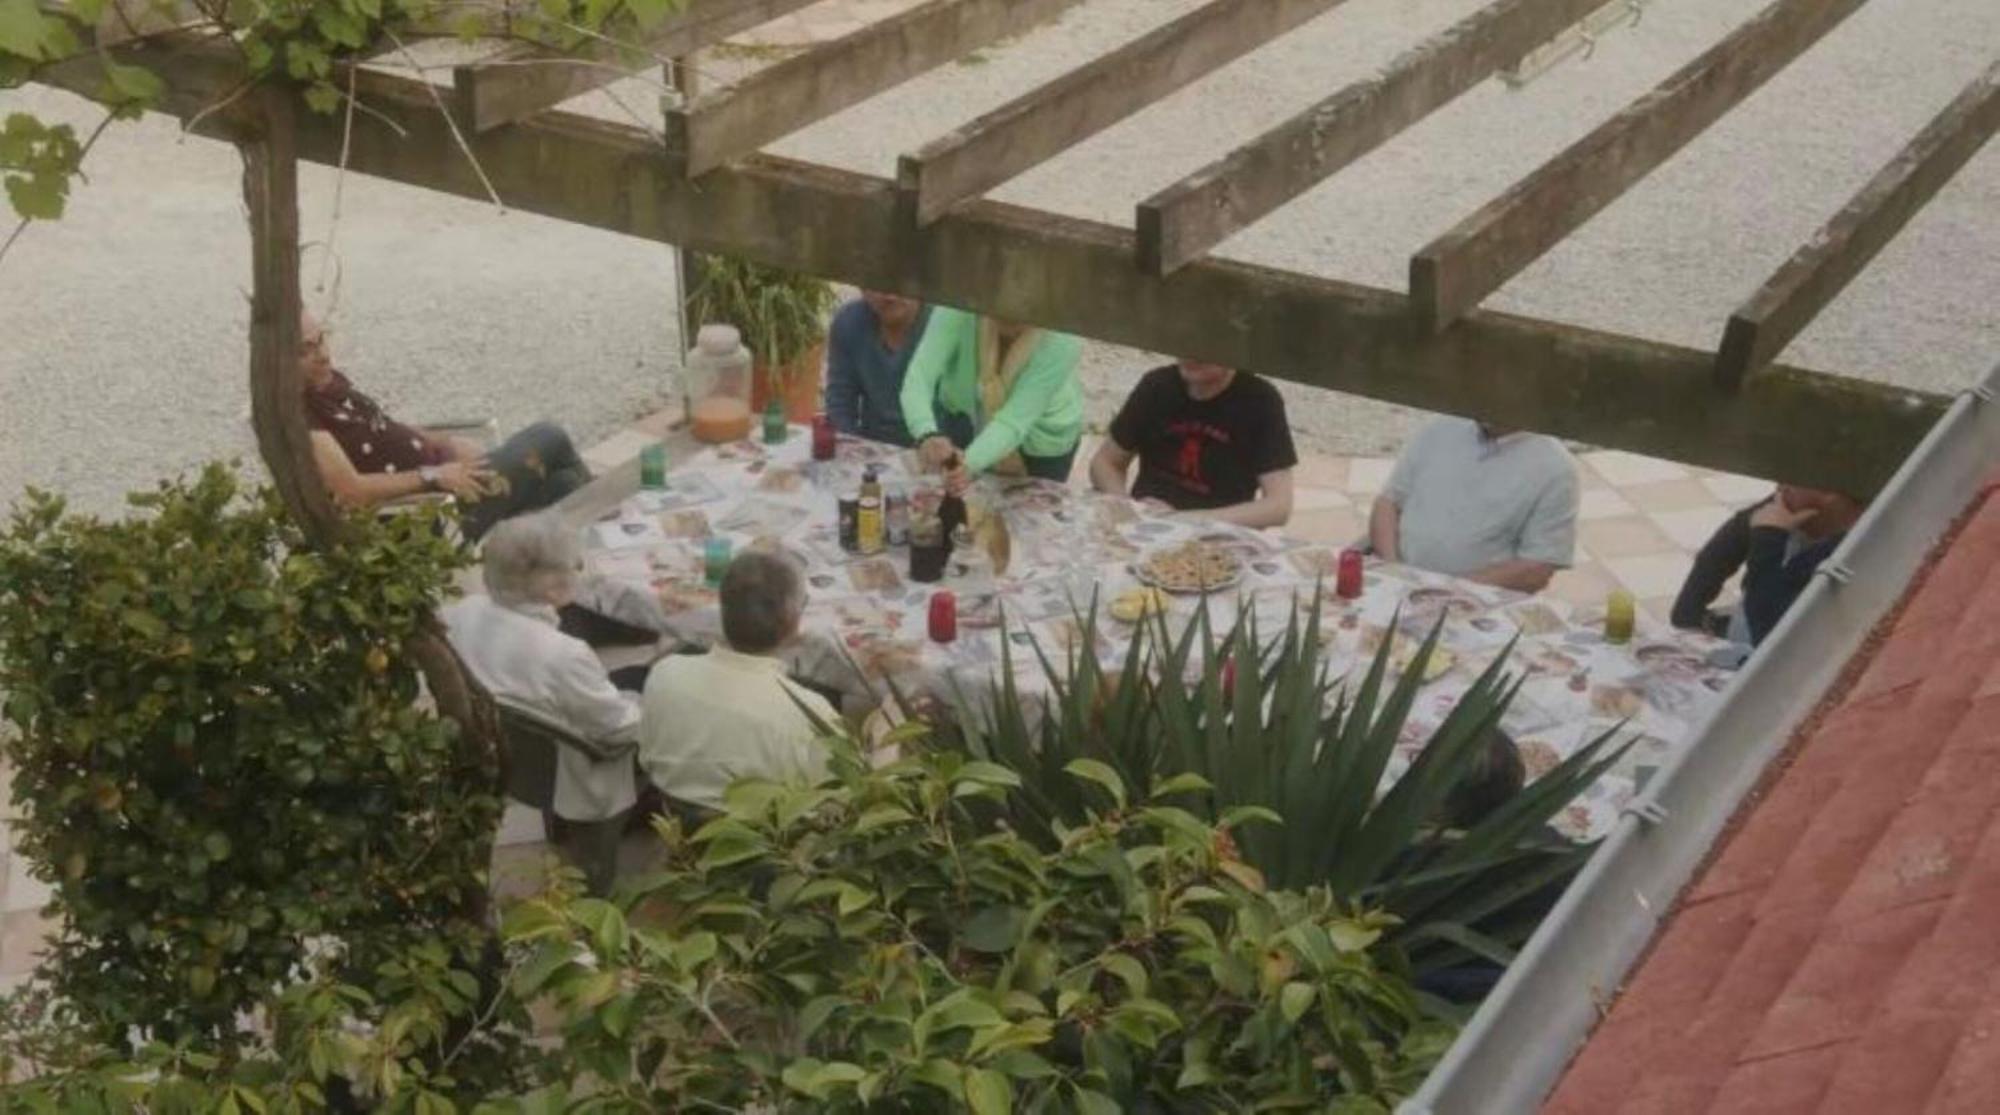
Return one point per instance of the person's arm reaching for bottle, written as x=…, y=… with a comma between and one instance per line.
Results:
x=1050, y=368
x=928, y=364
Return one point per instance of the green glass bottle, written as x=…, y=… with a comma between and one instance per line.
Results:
x=774, y=422
x=653, y=467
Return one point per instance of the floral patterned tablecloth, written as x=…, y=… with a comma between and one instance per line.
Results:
x=1068, y=543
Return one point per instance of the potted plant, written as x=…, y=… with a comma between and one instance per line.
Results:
x=782, y=316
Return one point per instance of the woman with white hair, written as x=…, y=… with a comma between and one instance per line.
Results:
x=510, y=641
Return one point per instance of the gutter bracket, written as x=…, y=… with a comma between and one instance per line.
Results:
x=1648, y=810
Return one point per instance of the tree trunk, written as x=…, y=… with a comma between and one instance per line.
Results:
x=277, y=400
x=268, y=145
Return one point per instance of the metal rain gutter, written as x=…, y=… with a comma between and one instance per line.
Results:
x=1514, y=1050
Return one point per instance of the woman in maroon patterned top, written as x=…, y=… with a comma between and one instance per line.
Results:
x=368, y=458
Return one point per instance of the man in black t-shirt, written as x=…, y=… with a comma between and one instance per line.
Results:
x=1210, y=441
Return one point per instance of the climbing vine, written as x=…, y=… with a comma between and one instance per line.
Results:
x=301, y=44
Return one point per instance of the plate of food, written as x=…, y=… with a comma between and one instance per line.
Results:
x=1190, y=567
x=1245, y=545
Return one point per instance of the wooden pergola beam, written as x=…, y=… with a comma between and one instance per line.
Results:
x=1458, y=270
x=780, y=99
x=522, y=79
x=1185, y=220
x=1816, y=274
x=1077, y=275
x=1043, y=123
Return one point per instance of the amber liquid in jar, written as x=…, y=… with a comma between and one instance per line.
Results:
x=720, y=418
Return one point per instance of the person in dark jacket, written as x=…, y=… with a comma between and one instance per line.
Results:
x=868, y=350
x=1777, y=543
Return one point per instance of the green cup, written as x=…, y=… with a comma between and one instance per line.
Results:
x=653, y=466
x=715, y=557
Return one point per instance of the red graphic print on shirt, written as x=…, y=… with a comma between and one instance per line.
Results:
x=1196, y=439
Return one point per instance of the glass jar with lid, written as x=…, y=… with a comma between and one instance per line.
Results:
x=716, y=385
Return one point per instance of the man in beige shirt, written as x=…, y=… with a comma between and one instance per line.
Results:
x=732, y=713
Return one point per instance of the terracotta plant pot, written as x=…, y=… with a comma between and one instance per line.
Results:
x=798, y=385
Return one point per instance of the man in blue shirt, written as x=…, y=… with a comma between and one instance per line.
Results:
x=868, y=350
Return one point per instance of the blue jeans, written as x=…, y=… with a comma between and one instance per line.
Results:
x=540, y=466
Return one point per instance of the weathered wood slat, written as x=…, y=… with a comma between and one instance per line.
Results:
x=1043, y=123
x=1816, y=274
x=1077, y=275
x=125, y=20
x=1186, y=219
x=1458, y=270
x=522, y=79
x=779, y=100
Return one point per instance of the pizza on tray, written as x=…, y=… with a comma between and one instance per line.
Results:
x=1191, y=567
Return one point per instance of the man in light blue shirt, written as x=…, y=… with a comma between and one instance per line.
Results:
x=1471, y=500
x=868, y=349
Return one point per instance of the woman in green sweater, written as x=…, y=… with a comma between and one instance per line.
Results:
x=1006, y=394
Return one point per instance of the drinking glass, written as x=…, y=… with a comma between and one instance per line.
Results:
x=715, y=554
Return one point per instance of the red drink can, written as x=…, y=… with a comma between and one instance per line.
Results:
x=1347, y=585
x=825, y=439
x=944, y=617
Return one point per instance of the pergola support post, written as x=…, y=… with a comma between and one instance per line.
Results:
x=267, y=139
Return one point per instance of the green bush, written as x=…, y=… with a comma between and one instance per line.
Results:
x=1274, y=731
x=220, y=754
x=872, y=944
x=866, y=944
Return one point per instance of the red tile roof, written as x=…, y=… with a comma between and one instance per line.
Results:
x=1840, y=952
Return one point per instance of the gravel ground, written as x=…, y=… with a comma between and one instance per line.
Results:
x=121, y=330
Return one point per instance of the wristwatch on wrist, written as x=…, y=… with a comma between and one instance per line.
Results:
x=429, y=475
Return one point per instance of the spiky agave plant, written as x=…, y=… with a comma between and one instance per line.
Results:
x=1229, y=722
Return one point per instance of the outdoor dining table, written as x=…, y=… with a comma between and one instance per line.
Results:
x=865, y=622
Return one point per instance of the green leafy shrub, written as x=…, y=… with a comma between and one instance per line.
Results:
x=873, y=944
x=870, y=943
x=1275, y=731
x=221, y=756
x=422, y=1043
